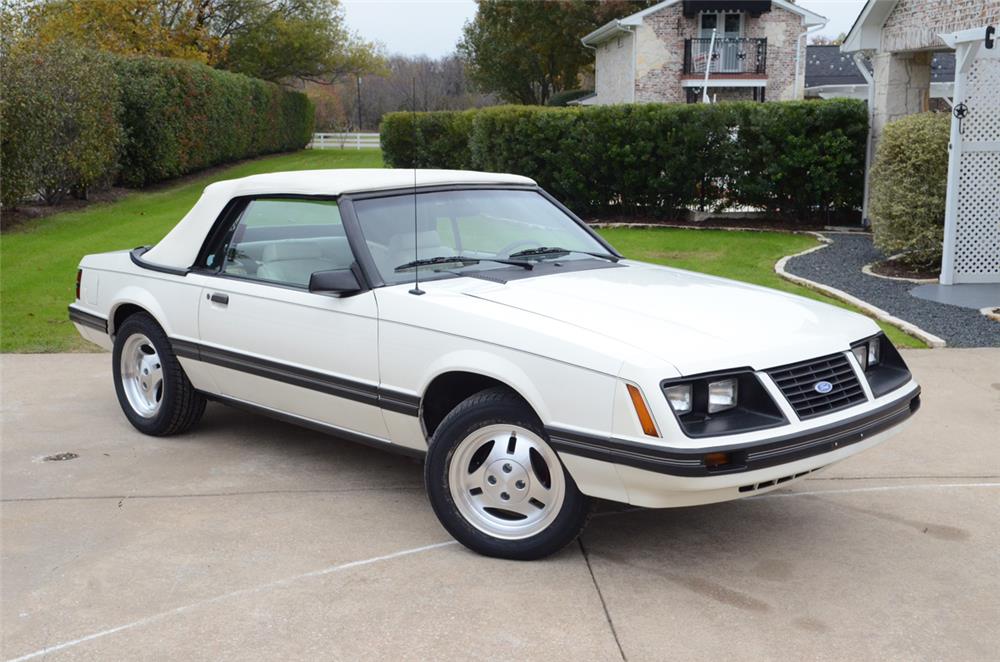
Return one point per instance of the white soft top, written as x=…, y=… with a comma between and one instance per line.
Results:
x=179, y=248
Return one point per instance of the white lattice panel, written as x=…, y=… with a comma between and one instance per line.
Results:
x=983, y=98
x=977, y=233
x=975, y=241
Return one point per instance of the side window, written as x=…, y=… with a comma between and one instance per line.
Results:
x=286, y=240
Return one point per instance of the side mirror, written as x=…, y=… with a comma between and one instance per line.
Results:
x=342, y=282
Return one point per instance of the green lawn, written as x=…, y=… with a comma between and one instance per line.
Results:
x=39, y=260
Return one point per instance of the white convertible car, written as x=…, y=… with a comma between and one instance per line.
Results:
x=470, y=318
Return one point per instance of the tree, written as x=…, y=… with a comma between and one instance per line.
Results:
x=823, y=40
x=304, y=39
x=441, y=84
x=526, y=51
x=271, y=39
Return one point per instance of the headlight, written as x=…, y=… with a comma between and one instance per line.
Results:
x=679, y=398
x=883, y=366
x=722, y=395
x=867, y=352
x=721, y=403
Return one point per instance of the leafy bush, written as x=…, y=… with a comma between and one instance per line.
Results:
x=798, y=159
x=441, y=137
x=183, y=116
x=73, y=118
x=60, y=135
x=908, y=185
x=563, y=98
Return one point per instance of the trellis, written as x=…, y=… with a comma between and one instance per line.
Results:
x=972, y=213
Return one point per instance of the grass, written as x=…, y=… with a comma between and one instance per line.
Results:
x=39, y=260
x=746, y=256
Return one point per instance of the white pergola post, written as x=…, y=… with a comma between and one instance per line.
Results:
x=971, y=251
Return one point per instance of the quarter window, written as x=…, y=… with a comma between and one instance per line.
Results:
x=285, y=241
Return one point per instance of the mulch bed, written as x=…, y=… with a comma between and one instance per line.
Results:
x=897, y=269
x=15, y=219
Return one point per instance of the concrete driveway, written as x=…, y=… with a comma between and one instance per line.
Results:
x=252, y=539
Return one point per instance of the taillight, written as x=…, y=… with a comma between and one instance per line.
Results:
x=79, y=277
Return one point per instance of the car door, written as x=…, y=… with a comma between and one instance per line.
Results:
x=269, y=340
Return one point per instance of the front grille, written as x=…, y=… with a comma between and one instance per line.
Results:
x=798, y=381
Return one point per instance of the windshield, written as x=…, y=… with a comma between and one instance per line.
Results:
x=479, y=224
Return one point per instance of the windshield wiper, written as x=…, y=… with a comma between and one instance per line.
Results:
x=553, y=251
x=464, y=260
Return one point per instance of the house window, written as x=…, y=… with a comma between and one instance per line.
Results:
x=728, y=24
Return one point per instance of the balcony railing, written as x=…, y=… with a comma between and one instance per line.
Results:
x=730, y=55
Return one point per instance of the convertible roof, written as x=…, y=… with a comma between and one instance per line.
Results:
x=179, y=248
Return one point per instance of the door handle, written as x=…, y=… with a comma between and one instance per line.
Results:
x=222, y=299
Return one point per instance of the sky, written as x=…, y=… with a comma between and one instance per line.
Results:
x=433, y=27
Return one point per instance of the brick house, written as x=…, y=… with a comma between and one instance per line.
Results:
x=893, y=44
x=900, y=38
x=661, y=54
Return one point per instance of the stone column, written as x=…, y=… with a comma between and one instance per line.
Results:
x=902, y=86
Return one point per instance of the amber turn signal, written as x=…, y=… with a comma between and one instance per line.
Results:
x=645, y=418
x=716, y=459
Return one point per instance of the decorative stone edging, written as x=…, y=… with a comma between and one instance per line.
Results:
x=867, y=269
x=874, y=311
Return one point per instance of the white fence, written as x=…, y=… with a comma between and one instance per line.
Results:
x=344, y=141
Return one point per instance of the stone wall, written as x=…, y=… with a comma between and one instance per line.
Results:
x=915, y=24
x=782, y=29
x=613, y=71
x=660, y=54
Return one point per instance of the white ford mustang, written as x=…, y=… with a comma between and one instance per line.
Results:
x=532, y=365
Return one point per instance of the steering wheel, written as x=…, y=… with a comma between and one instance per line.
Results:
x=509, y=248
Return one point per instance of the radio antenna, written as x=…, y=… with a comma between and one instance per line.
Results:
x=413, y=127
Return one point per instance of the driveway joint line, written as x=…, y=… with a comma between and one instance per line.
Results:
x=604, y=605
x=231, y=594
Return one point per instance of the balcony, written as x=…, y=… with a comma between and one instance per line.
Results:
x=730, y=56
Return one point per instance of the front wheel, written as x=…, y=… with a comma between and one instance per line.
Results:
x=496, y=484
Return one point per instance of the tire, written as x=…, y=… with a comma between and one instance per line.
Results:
x=495, y=483
x=153, y=391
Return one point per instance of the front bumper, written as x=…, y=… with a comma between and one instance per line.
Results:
x=745, y=457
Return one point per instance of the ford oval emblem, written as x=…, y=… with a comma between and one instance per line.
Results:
x=823, y=387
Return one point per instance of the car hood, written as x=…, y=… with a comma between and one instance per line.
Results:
x=696, y=322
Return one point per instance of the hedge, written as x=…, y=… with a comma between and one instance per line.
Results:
x=60, y=130
x=797, y=159
x=73, y=118
x=908, y=188
x=182, y=116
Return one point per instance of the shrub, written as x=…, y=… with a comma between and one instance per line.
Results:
x=798, y=159
x=908, y=185
x=60, y=134
x=183, y=116
x=442, y=140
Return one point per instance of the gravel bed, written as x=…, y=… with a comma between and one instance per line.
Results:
x=839, y=265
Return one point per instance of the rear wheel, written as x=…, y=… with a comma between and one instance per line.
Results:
x=496, y=484
x=153, y=391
